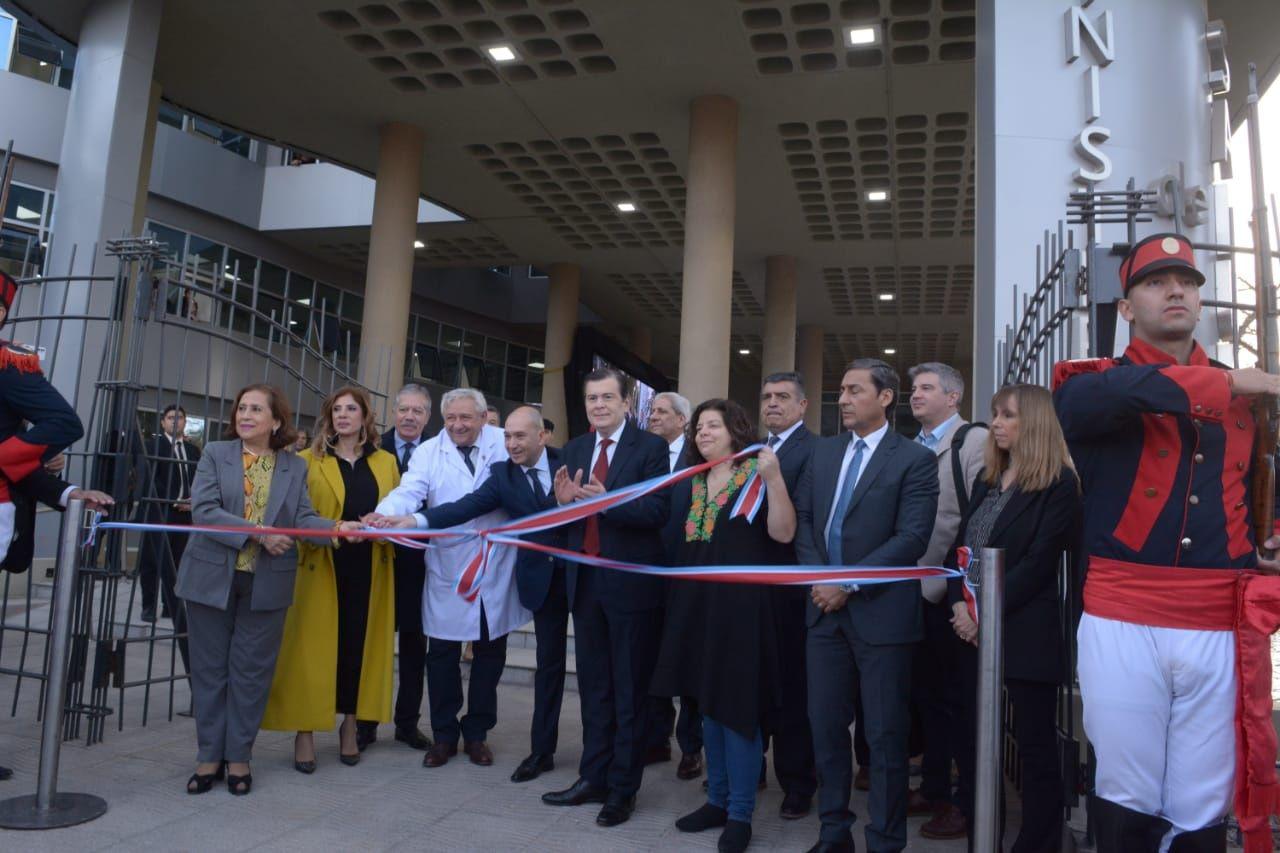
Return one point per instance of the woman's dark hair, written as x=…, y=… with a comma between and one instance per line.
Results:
x=280, y=410
x=736, y=421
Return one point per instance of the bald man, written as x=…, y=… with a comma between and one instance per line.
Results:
x=522, y=486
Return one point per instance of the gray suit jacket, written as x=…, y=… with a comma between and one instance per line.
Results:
x=888, y=524
x=217, y=498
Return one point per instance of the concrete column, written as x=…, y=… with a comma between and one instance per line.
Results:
x=140, y=212
x=389, y=278
x=809, y=363
x=564, y=281
x=706, y=299
x=642, y=342
x=779, y=314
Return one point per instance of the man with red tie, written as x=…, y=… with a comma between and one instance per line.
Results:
x=616, y=615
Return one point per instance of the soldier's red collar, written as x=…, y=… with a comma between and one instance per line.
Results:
x=1141, y=352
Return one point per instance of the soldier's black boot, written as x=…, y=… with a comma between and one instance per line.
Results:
x=1117, y=829
x=1210, y=839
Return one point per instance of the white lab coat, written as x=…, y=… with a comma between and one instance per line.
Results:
x=437, y=475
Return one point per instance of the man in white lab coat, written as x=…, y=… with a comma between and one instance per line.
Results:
x=444, y=469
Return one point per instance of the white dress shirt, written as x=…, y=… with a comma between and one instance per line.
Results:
x=674, y=449
x=542, y=470
x=613, y=448
x=784, y=435
x=400, y=443
x=872, y=441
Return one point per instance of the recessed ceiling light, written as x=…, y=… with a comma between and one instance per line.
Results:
x=890, y=351
x=418, y=244
x=502, y=53
x=744, y=352
x=878, y=195
x=627, y=206
x=536, y=365
x=858, y=36
x=27, y=213
x=886, y=297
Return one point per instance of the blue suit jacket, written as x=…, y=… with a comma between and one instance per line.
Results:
x=889, y=523
x=508, y=488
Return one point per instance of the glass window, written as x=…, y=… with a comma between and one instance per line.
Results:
x=449, y=363
x=328, y=298
x=25, y=205
x=450, y=338
x=428, y=332
x=271, y=279
x=518, y=356
x=535, y=358
x=7, y=26
x=242, y=266
x=301, y=289
x=352, y=307
x=429, y=366
x=170, y=115
x=533, y=388
x=173, y=238
x=272, y=308
x=515, y=384
x=481, y=376
x=21, y=254
x=206, y=252
x=495, y=350
x=472, y=343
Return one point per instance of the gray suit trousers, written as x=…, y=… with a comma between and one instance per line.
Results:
x=233, y=657
x=840, y=666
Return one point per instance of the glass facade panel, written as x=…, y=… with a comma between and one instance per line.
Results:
x=533, y=387
x=25, y=205
x=271, y=279
x=171, y=237
x=450, y=338
x=495, y=350
x=21, y=254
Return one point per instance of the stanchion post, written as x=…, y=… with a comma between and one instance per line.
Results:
x=988, y=791
x=48, y=809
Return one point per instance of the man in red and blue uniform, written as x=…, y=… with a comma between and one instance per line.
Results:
x=1171, y=642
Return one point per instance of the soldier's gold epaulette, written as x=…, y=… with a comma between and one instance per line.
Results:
x=19, y=357
x=1064, y=370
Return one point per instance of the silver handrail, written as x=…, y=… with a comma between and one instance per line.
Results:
x=988, y=790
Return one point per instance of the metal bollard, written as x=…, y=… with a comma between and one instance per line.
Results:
x=987, y=788
x=47, y=808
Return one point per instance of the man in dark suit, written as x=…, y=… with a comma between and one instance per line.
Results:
x=412, y=411
x=521, y=485
x=782, y=407
x=616, y=615
x=868, y=498
x=173, y=462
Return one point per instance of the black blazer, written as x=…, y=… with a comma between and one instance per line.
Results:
x=889, y=523
x=630, y=532
x=508, y=488
x=169, y=471
x=407, y=559
x=1034, y=530
x=793, y=459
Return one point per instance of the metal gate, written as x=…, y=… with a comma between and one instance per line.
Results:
x=121, y=348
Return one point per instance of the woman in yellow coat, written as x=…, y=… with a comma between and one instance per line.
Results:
x=336, y=657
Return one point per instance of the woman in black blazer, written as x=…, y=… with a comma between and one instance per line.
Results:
x=1027, y=501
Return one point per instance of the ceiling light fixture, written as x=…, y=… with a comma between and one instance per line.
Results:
x=536, y=365
x=502, y=53
x=886, y=297
x=744, y=352
x=890, y=351
x=27, y=213
x=860, y=36
x=627, y=206
x=418, y=244
x=878, y=195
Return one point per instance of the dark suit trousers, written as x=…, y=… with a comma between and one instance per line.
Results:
x=839, y=667
x=616, y=652
x=158, y=559
x=793, y=762
x=444, y=685
x=550, y=630
x=935, y=691
x=410, y=575
x=663, y=720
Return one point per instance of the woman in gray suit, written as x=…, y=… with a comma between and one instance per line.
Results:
x=238, y=586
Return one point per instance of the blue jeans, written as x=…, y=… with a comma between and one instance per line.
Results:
x=733, y=768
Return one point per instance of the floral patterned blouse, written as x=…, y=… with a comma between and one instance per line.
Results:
x=701, y=521
x=257, y=488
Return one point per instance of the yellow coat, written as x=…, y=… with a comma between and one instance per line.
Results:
x=303, y=692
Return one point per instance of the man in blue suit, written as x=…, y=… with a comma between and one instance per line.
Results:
x=869, y=498
x=617, y=616
x=521, y=485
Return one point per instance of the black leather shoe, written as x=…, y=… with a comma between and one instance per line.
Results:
x=366, y=734
x=148, y=615
x=616, y=810
x=795, y=806
x=690, y=766
x=413, y=737
x=834, y=847
x=5, y=773
x=703, y=818
x=657, y=754
x=532, y=767
x=735, y=838
x=577, y=794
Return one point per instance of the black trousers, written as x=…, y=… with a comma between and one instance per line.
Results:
x=158, y=559
x=1035, y=705
x=663, y=721
x=792, y=739
x=616, y=652
x=444, y=686
x=935, y=692
x=550, y=631
x=411, y=573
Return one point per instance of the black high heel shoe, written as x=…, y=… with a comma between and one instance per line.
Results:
x=307, y=767
x=240, y=785
x=202, y=782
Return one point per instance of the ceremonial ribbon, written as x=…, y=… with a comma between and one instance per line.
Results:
x=748, y=504
x=965, y=560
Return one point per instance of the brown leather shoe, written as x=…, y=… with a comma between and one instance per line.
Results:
x=863, y=780
x=439, y=753
x=479, y=753
x=946, y=824
x=918, y=804
x=690, y=766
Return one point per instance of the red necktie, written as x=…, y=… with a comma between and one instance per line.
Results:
x=600, y=471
